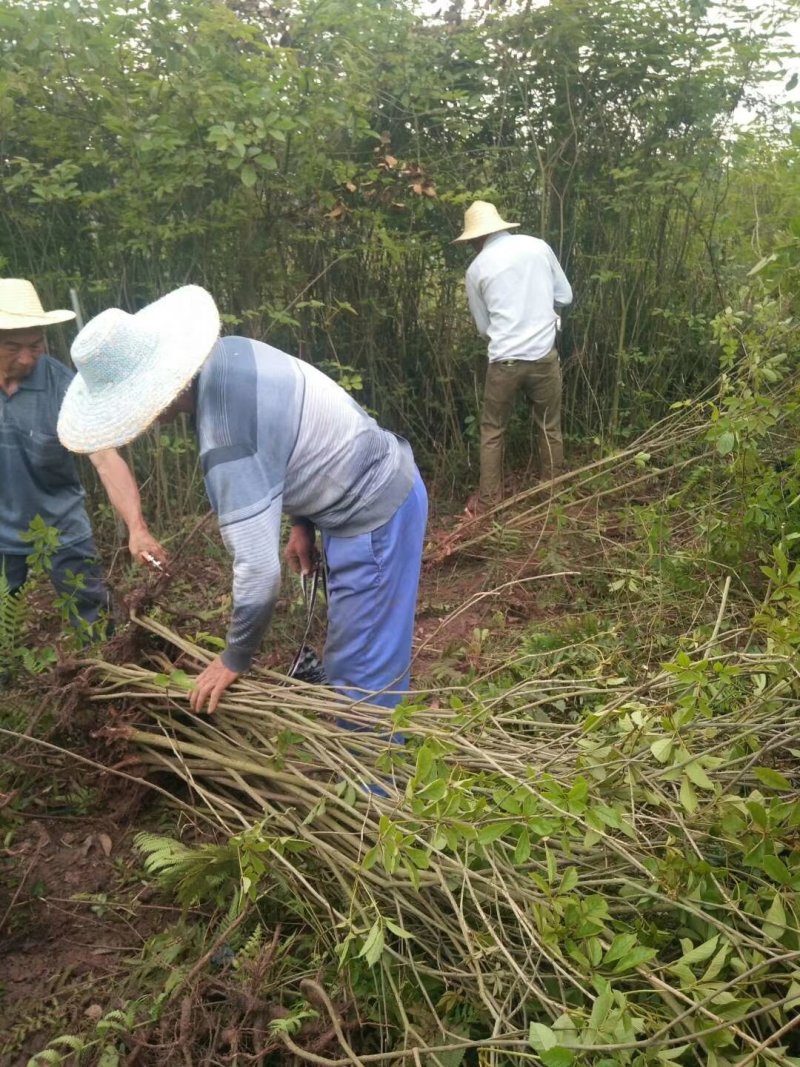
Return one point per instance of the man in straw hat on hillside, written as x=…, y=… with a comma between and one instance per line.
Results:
x=514, y=284
x=275, y=434
x=38, y=476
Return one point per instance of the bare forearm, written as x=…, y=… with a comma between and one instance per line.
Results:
x=123, y=492
x=121, y=488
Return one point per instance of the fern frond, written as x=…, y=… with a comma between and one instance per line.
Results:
x=161, y=854
x=237, y=904
x=13, y=613
x=196, y=875
x=290, y=1024
x=252, y=945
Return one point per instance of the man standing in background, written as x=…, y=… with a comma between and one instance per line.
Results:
x=38, y=476
x=514, y=284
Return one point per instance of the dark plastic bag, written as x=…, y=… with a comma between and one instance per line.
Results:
x=307, y=666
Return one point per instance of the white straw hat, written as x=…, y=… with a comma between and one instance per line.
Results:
x=20, y=307
x=481, y=219
x=131, y=367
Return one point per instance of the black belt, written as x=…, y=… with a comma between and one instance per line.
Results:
x=513, y=362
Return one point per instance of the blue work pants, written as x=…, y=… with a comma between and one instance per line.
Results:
x=372, y=595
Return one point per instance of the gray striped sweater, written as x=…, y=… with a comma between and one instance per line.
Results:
x=278, y=435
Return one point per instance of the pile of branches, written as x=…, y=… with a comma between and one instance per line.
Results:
x=582, y=870
x=657, y=461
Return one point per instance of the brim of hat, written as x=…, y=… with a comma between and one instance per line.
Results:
x=187, y=325
x=25, y=322
x=483, y=231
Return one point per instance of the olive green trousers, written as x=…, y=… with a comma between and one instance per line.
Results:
x=540, y=381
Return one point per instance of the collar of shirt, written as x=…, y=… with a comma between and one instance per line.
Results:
x=493, y=237
x=37, y=379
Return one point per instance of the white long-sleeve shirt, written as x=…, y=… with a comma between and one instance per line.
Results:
x=512, y=286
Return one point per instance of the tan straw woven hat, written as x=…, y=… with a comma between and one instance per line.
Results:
x=21, y=308
x=131, y=367
x=481, y=219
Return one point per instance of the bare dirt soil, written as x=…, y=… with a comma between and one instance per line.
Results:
x=73, y=905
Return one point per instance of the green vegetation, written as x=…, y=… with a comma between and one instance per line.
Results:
x=16, y=648
x=309, y=164
x=588, y=848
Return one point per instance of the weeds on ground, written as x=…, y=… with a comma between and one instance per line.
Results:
x=588, y=854
x=17, y=651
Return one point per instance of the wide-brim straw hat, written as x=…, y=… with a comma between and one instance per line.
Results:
x=481, y=219
x=21, y=308
x=131, y=367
